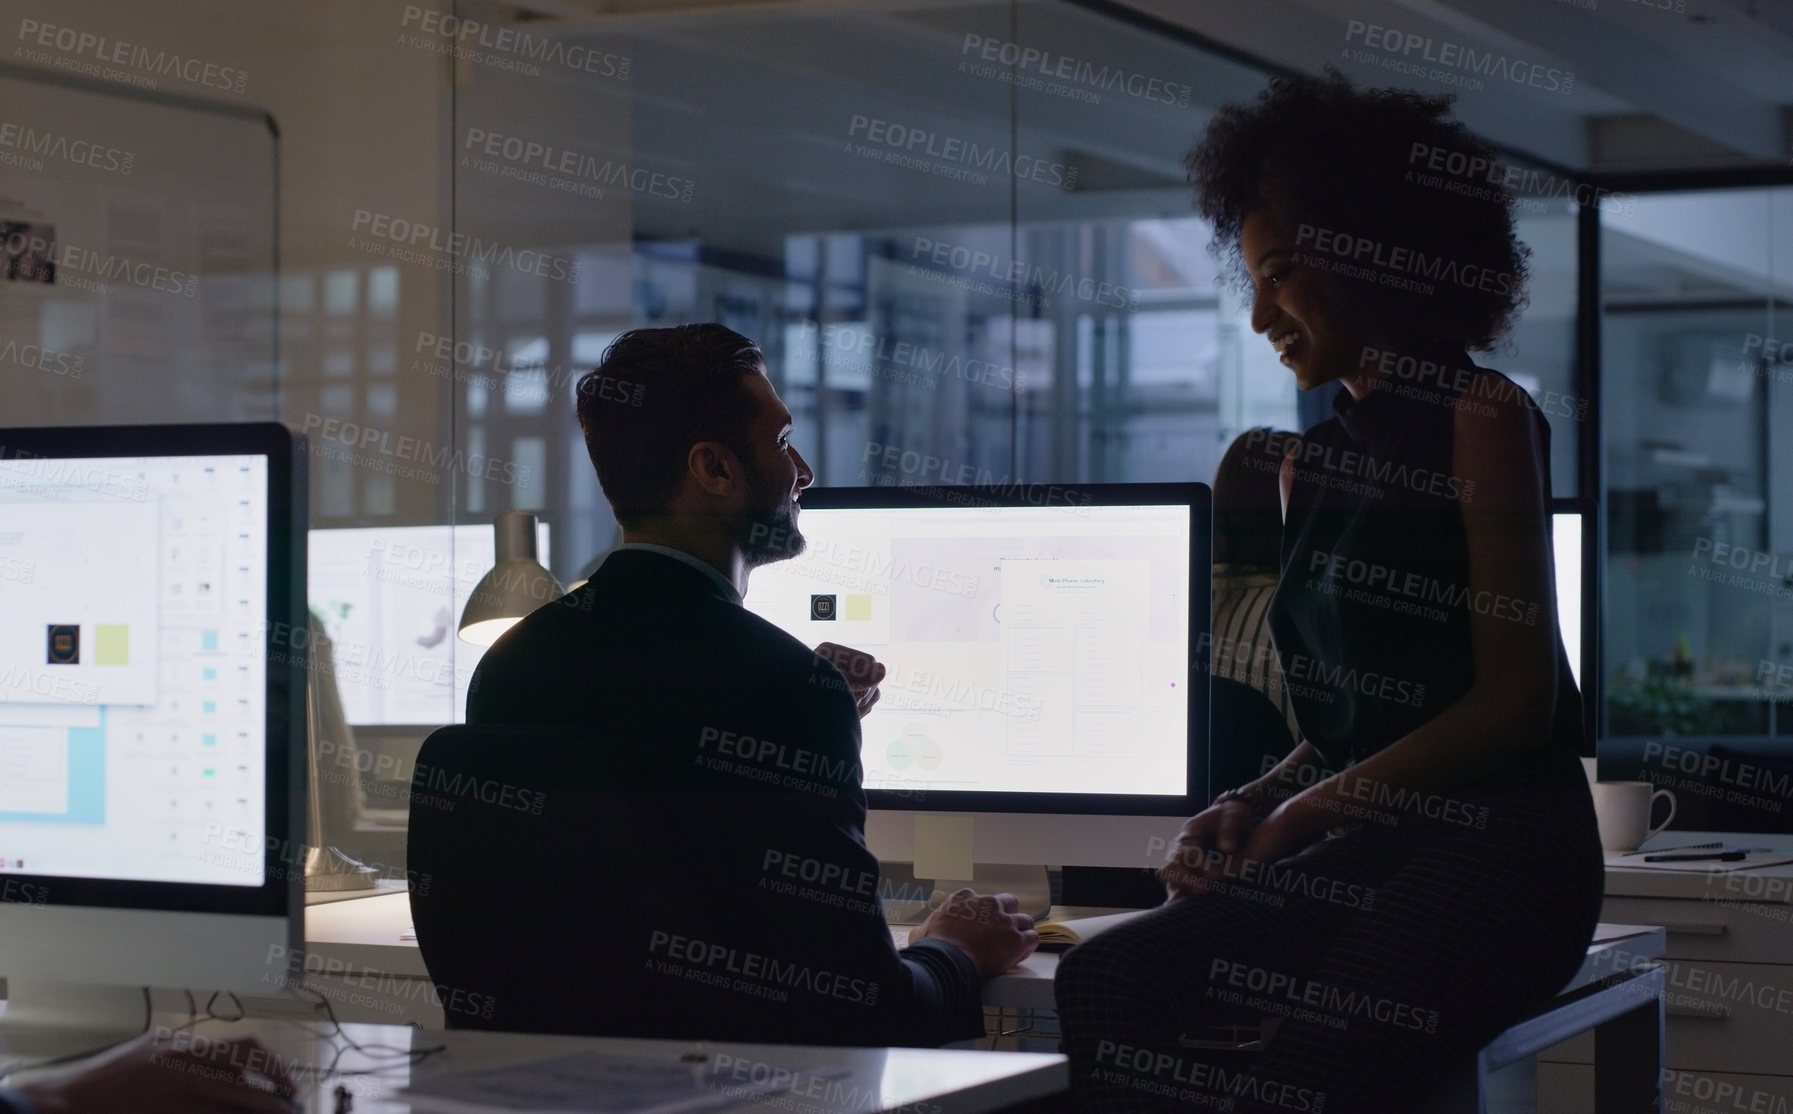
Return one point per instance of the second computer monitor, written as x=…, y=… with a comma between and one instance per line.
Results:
x=1038, y=640
x=390, y=598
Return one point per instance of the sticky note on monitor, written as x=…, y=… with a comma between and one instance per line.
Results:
x=856, y=607
x=943, y=846
x=111, y=644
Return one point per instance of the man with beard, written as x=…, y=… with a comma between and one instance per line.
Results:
x=766, y=923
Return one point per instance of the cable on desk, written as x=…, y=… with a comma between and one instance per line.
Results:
x=242, y=1011
x=413, y=1056
x=196, y=1017
x=313, y=1072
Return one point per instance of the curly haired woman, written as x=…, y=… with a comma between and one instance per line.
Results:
x=1423, y=869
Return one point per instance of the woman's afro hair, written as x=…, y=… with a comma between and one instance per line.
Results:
x=1375, y=165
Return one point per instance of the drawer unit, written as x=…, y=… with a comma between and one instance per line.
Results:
x=1747, y=932
x=1728, y=999
x=1716, y=1019
x=1733, y=1017
x=1569, y=1089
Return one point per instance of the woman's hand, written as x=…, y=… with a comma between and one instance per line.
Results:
x=1284, y=832
x=1204, y=846
x=1229, y=841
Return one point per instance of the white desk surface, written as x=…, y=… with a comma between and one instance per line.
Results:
x=365, y=935
x=1776, y=886
x=946, y=1081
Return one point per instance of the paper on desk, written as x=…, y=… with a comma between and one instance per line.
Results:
x=1702, y=866
x=603, y=1083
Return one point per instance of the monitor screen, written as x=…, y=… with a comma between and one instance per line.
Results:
x=1566, y=540
x=133, y=620
x=1029, y=649
x=390, y=598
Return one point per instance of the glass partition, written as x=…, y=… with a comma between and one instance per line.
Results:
x=1698, y=610
x=140, y=231
x=959, y=272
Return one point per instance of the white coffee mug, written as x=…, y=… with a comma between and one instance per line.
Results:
x=1623, y=810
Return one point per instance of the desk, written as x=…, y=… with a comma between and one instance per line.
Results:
x=1029, y=986
x=1728, y=969
x=363, y=936
x=345, y=940
x=939, y=1081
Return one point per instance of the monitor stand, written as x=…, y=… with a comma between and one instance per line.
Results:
x=945, y=856
x=329, y=870
x=908, y=899
x=46, y=1020
x=1031, y=885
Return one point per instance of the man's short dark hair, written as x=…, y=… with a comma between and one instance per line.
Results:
x=656, y=393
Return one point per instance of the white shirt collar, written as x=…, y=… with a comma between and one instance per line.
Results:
x=697, y=563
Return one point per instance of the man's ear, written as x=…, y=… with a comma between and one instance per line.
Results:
x=714, y=467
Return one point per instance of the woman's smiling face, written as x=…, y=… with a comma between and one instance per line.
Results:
x=1290, y=305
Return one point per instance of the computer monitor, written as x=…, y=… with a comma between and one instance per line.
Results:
x=1566, y=531
x=1039, y=643
x=1572, y=541
x=151, y=704
x=390, y=598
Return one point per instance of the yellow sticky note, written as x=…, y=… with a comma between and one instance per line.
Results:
x=943, y=846
x=111, y=644
x=856, y=607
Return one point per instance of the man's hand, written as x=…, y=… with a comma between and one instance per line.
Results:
x=149, y=1076
x=862, y=671
x=1208, y=842
x=990, y=928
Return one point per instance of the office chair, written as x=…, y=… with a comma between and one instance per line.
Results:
x=333, y=773
x=531, y=876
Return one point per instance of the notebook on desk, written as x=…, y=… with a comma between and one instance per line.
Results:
x=1620, y=861
x=617, y=1083
x=1055, y=936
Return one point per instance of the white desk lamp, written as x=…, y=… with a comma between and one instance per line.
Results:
x=517, y=584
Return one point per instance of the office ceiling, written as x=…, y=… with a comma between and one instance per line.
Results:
x=753, y=99
x=1659, y=84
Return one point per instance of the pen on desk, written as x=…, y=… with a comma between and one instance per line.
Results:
x=1689, y=847
x=1719, y=856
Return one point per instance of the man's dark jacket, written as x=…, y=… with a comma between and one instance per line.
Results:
x=747, y=908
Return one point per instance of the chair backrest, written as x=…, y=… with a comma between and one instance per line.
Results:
x=334, y=764
x=1245, y=729
x=532, y=872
